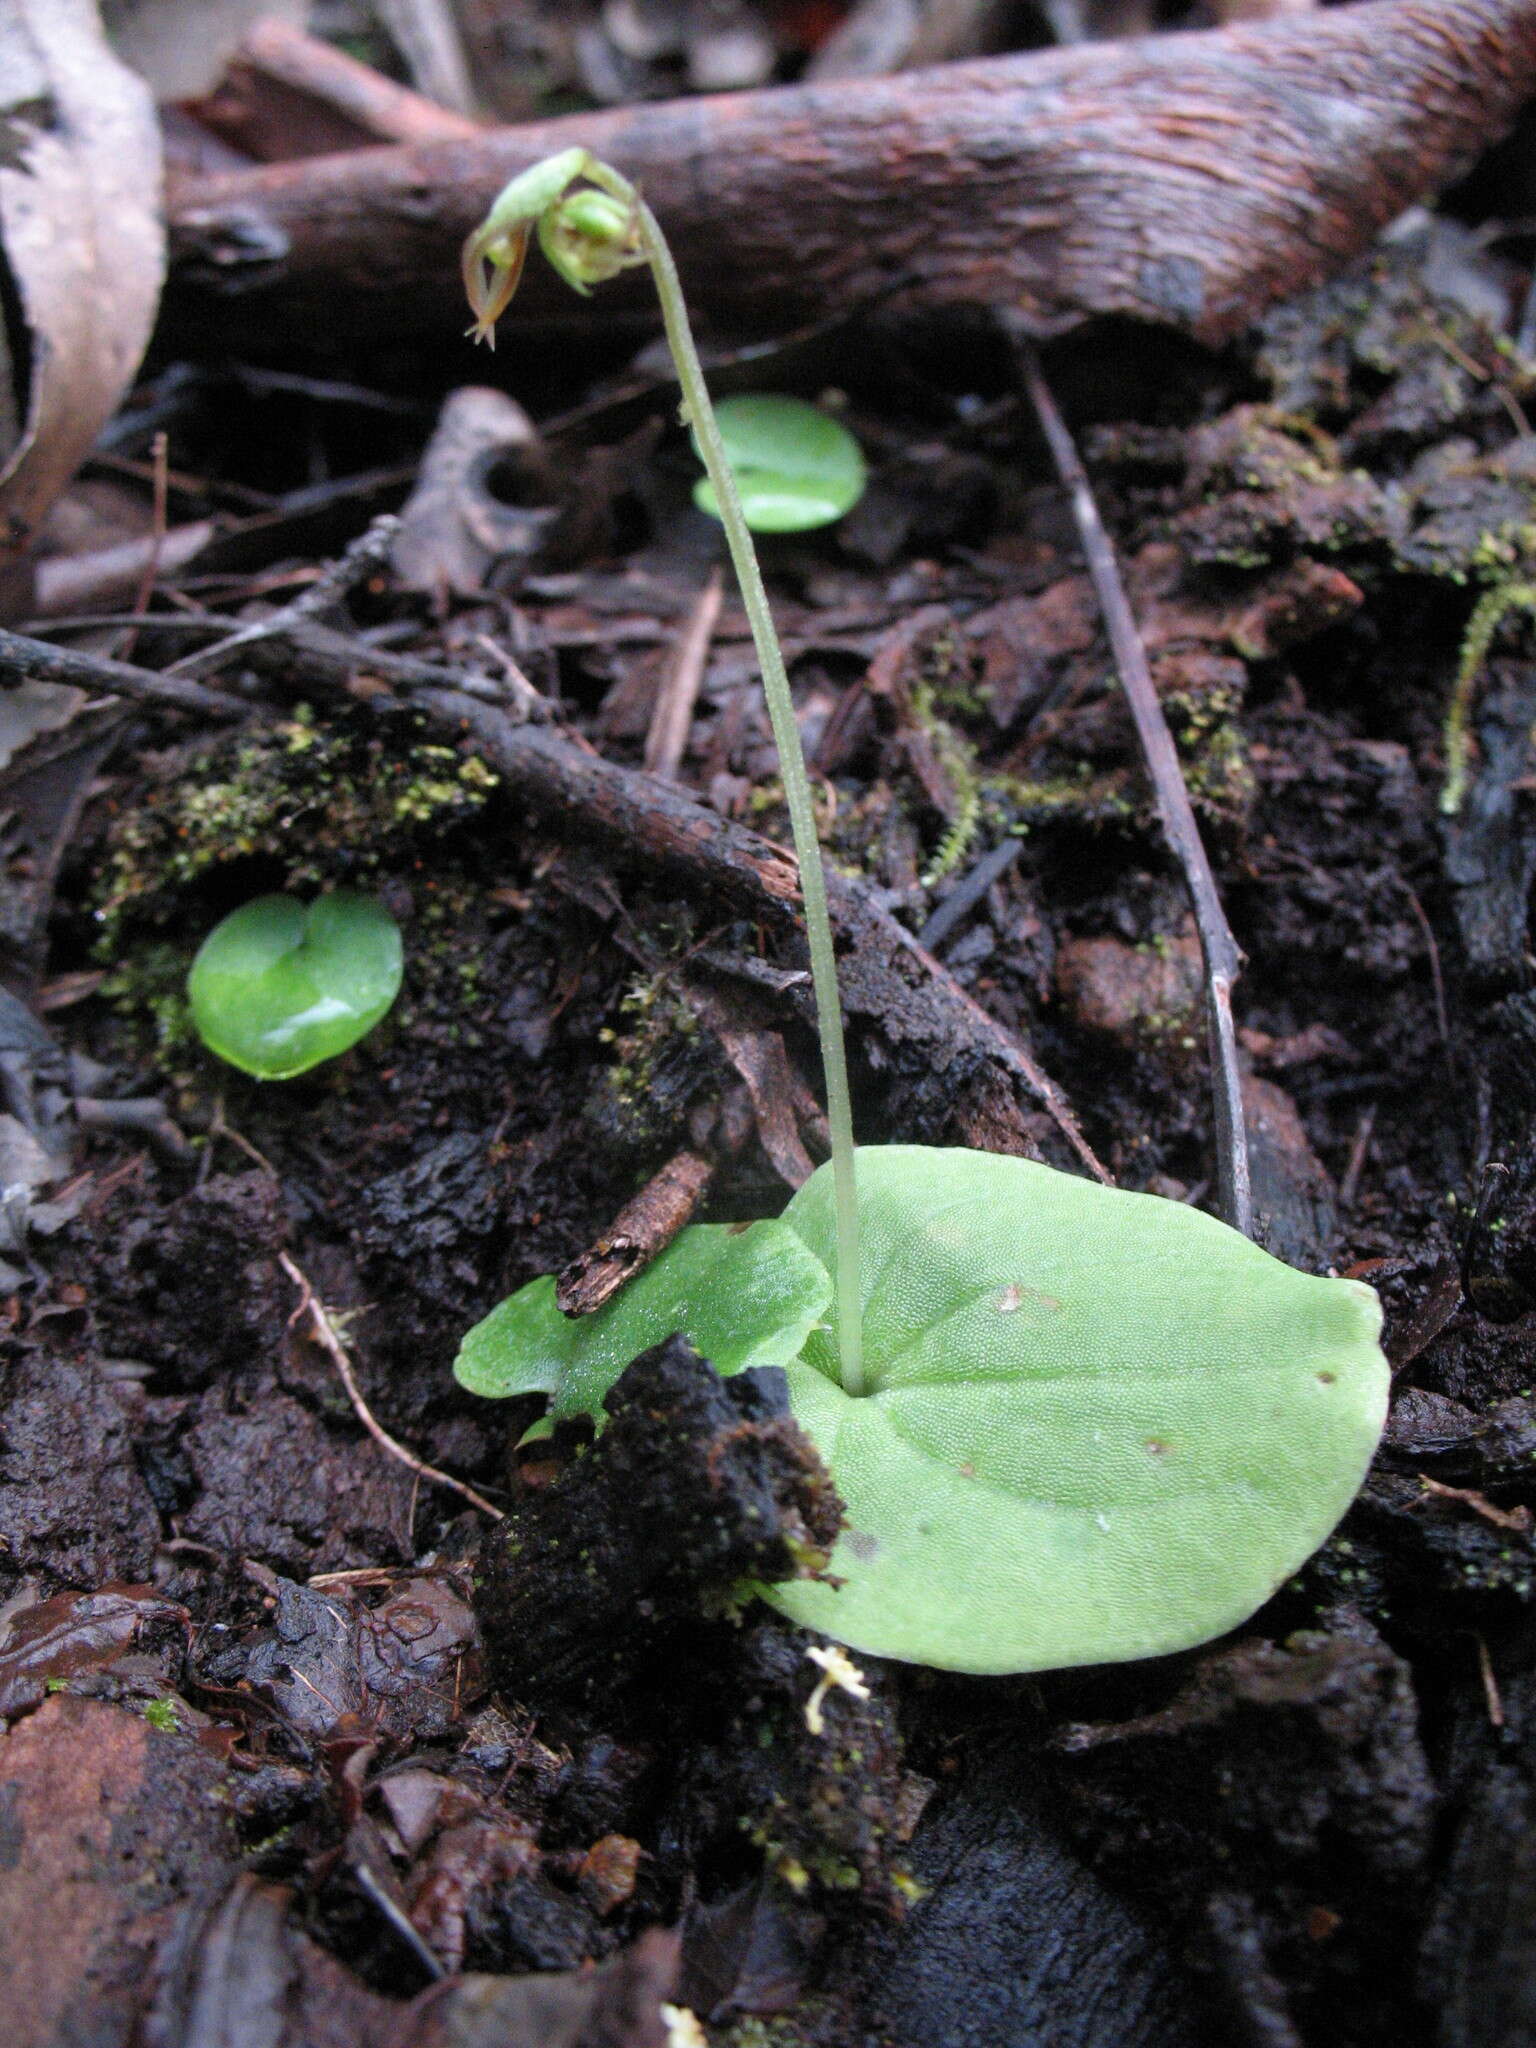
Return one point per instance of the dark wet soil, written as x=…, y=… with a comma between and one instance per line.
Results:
x=251, y=1644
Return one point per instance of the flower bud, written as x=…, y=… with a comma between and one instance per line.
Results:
x=589, y=237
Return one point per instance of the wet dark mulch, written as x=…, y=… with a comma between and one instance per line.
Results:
x=264, y=1782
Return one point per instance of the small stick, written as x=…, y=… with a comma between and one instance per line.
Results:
x=1485, y=1671
x=145, y=1114
x=680, y=683
x=1436, y=979
x=329, y=1339
x=968, y=892
x=642, y=1229
x=40, y=663
x=146, y=590
x=1218, y=948
x=1349, y=1186
x=361, y=557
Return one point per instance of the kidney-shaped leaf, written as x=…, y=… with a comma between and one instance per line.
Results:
x=795, y=467
x=741, y=1298
x=278, y=986
x=1099, y=1425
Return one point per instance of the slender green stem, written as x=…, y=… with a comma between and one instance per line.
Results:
x=797, y=788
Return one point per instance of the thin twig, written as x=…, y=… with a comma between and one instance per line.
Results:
x=1485, y=1672
x=146, y=1115
x=682, y=676
x=330, y=1342
x=1218, y=948
x=151, y=569
x=1436, y=980
x=968, y=892
x=1349, y=1186
x=358, y=561
x=39, y=662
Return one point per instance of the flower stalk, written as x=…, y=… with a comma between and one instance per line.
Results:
x=590, y=235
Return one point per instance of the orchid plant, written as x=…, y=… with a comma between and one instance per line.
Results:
x=1071, y=1425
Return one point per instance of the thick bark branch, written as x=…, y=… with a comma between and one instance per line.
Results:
x=1189, y=180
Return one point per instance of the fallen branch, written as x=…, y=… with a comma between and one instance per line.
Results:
x=25, y=660
x=1189, y=180
x=960, y=1063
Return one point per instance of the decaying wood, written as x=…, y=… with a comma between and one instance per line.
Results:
x=1189, y=180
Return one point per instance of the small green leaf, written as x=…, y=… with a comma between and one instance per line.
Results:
x=795, y=467
x=277, y=988
x=1100, y=1426
x=740, y=1297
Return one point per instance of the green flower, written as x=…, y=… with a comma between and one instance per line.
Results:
x=588, y=236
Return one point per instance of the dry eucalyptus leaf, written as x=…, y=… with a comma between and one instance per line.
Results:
x=84, y=240
x=182, y=46
x=468, y=511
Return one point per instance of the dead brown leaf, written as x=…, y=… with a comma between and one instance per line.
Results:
x=84, y=239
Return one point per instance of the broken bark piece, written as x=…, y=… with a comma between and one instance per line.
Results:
x=642, y=1229
x=1190, y=180
x=697, y=1483
x=780, y=1100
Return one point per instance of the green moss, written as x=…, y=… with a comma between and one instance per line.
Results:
x=162, y=1714
x=1077, y=794
x=148, y=989
x=1488, y=614
x=657, y=1061
x=321, y=804
x=958, y=760
x=1212, y=751
x=807, y=2023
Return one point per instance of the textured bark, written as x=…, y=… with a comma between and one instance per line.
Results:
x=1189, y=180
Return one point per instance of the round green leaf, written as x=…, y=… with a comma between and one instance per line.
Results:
x=278, y=987
x=741, y=1298
x=794, y=467
x=1100, y=1426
